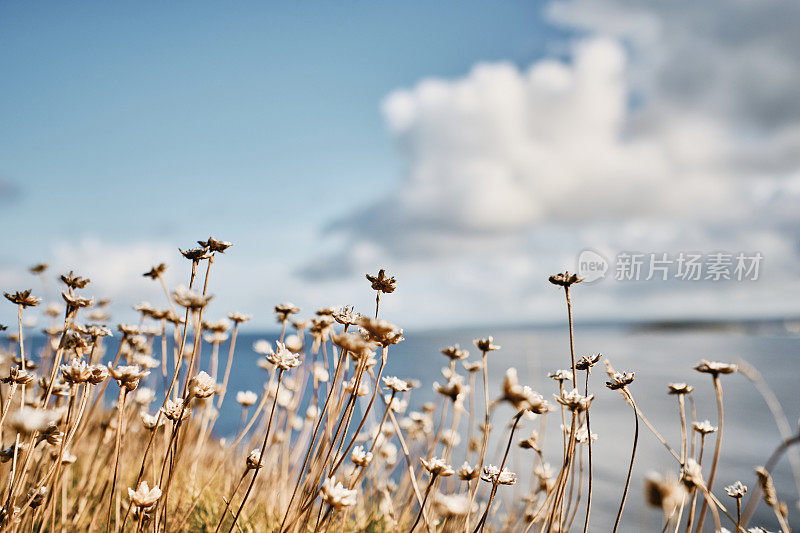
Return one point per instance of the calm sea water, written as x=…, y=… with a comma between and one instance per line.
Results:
x=657, y=357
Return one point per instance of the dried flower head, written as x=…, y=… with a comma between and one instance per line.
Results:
x=437, y=467
x=767, y=487
x=704, y=427
x=692, y=474
x=253, y=460
x=467, y=472
x=472, y=366
x=76, y=372
x=494, y=475
x=360, y=457
x=190, y=299
x=336, y=495
x=285, y=310
x=155, y=271
x=127, y=376
x=38, y=268
x=573, y=400
x=620, y=380
x=453, y=389
x=737, y=490
x=486, y=345
x=283, y=358
x=195, y=254
x=99, y=373
x=36, y=495
x=382, y=282
x=560, y=375
x=202, y=385
x=174, y=410
x=715, y=368
x=246, y=398
x=666, y=493
x=144, y=496
x=531, y=443
x=19, y=376
x=346, y=316
x=564, y=279
x=455, y=352
x=23, y=298
x=679, y=388
x=588, y=361
x=213, y=245
x=239, y=317
x=381, y=331
x=73, y=281
x=521, y=397
x=396, y=384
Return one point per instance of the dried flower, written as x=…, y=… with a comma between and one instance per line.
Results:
x=202, y=385
x=336, y=495
x=155, y=271
x=396, y=384
x=144, y=496
x=620, y=380
x=521, y=397
x=560, y=375
x=23, y=298
x=195, y=254
x=285, y=310
x=573, y=400
x=38, y=268
x=692, y=474
x=564, y=279
x=381, y=331
x=472, y=366
x=283, y=358
x=190, y=299
x=346, y=316
x=127, y=376
x=531, y=443
x=173, y=409
x=437, y=467
x=715, y=368
x=253, y=460
x=453, y=389
x=381, y=282
x=246, y=398
x=74, y=282
x=737, y=490
x=666, y=493
x=455, y=352
x=19, y=376
x=704, y=427
x=76, y=372
x=213, y=245
x=467, y=472
x=679, y=388
x=494, y=475
x=588, y=361
x=239, y=317
x=486, y=345
x=99, y=373
x=360, y=457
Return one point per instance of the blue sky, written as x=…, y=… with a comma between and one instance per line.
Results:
x=472, y=148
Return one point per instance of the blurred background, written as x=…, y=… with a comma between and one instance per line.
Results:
x=471, y=148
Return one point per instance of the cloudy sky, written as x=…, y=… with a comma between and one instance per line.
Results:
x=470, y=148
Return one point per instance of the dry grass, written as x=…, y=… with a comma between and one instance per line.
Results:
x=331, y=443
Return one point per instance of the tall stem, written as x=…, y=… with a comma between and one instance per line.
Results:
x=485, y=435
x=263, y=449
x=633, y=456
x=717, y=447
x=123, y=393
x=424, y=499
x=589, y=444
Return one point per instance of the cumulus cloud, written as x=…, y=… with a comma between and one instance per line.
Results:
x=671, y=127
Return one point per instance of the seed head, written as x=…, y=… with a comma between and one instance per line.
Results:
x=239, y=317
x=74, y=282
x=336, y=495
x=620, y=380
x=588, y=361
x=283, y=358
x=23, y=298
x=715, y=368
x=144, y=496
x=213, y=245
x=285, y=310
x=127, y=376
x=573, y=400
x=202, y=385
x=467, y=472
x=437, y=467
x=253, y=460
x=76, y=372
x=38, y=268
x=495, y=476
x=195, y=254
x=190, y=299
x=564, y=279
x=381, y=282
x=19, y=376
x=737, y=490
x=155, y=271
x=486, y=345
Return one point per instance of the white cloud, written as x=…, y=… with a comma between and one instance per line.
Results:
x=671, y=128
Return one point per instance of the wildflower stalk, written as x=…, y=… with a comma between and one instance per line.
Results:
x=487, y=418
x=482, y=522
x=633, y=456
x=717, y=447
x=263, y=449
x=424, y=499
x=693, y=494
x=123, y=394
x=589, y=445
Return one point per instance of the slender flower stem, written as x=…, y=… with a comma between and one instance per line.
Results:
x=482, y=521
x=123, y=393
x=717, y=447
x=485, y=433
x=263, y=449
x=424, y=499
x=589, y=445
x=633, y=456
